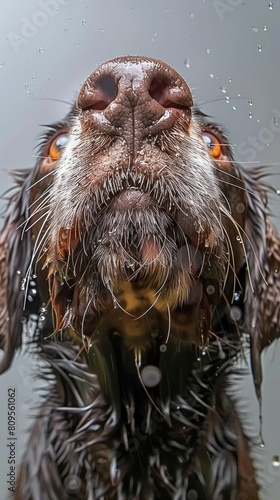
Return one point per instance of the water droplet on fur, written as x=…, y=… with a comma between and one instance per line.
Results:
x=240, y=207
x=278, y=192
x=163, y=348
x=210, y=289
x=19, y=272
x=235, y=313
x=151, y=375
x=270, y=5
x=72, y=483
x=192, y=495
x=262, y=445
x=23, y=283
x=276, y=461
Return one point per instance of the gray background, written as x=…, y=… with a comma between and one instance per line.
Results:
x=227, y=50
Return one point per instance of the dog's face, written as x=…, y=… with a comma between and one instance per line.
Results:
x=143, y=211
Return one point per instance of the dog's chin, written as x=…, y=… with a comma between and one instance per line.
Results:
x=135, y=271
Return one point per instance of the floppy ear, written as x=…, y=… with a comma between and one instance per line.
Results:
x=262, y=298
x=15, y=256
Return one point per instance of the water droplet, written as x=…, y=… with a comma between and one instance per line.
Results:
x=276, y=121
x=229, y=79
x=276, y=461
x=187, y=63
x=265, y=28
x=250, y=102
x=259, y=48
x=191, y=15
x=227, y=99
x=41, y=50
x=240, y=207
x=210, y=289
x=235, y=313
x=192, y=495
x=72, y=483
x=262, y=445
x=151, y=375
x=208, y=51
x=211, y=75
x=250, y=115
x=77, y=44
x=238, y=94
x=163, y=348
x=84, y=22
x=255, y=29
x=18, y=271
x=270, y=5
x=234, y=108
x=2, y=64
x=66, y=29
x=223, y=89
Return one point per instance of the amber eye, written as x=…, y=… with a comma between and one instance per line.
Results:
x=214, y=147
x=57, y=146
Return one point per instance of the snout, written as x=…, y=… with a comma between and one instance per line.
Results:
x=134, y=98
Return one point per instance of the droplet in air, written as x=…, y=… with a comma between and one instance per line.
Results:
x=250, y=115
x=77, y=44
x=41, y=50
x=259, y=48
x=151, y=375
x=211, y=75
x=227, y=99
x=250, y=102
x=270, y=5
x=235, y=313
x=84, y=22
x=238, y=94
x=255, y=29
x=2, y=64
x=187, y=63
x=265, y=28
x=276, y=461
x=223, y=89
x=208, y=51
x=234, y=108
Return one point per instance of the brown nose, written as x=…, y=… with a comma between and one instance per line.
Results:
x=134, y=97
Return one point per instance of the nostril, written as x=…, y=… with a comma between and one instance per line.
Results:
x=106, y=90
x=168, y=95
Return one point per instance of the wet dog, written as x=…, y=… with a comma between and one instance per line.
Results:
x=149, y=255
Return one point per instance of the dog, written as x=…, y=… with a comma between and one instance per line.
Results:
x=146, y=251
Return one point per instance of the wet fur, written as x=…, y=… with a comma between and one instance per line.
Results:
x=99, y=426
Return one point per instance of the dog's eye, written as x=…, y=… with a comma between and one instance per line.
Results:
x=57, y=146
x=213, y=144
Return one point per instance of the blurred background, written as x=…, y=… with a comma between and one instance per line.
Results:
x=227, y=50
